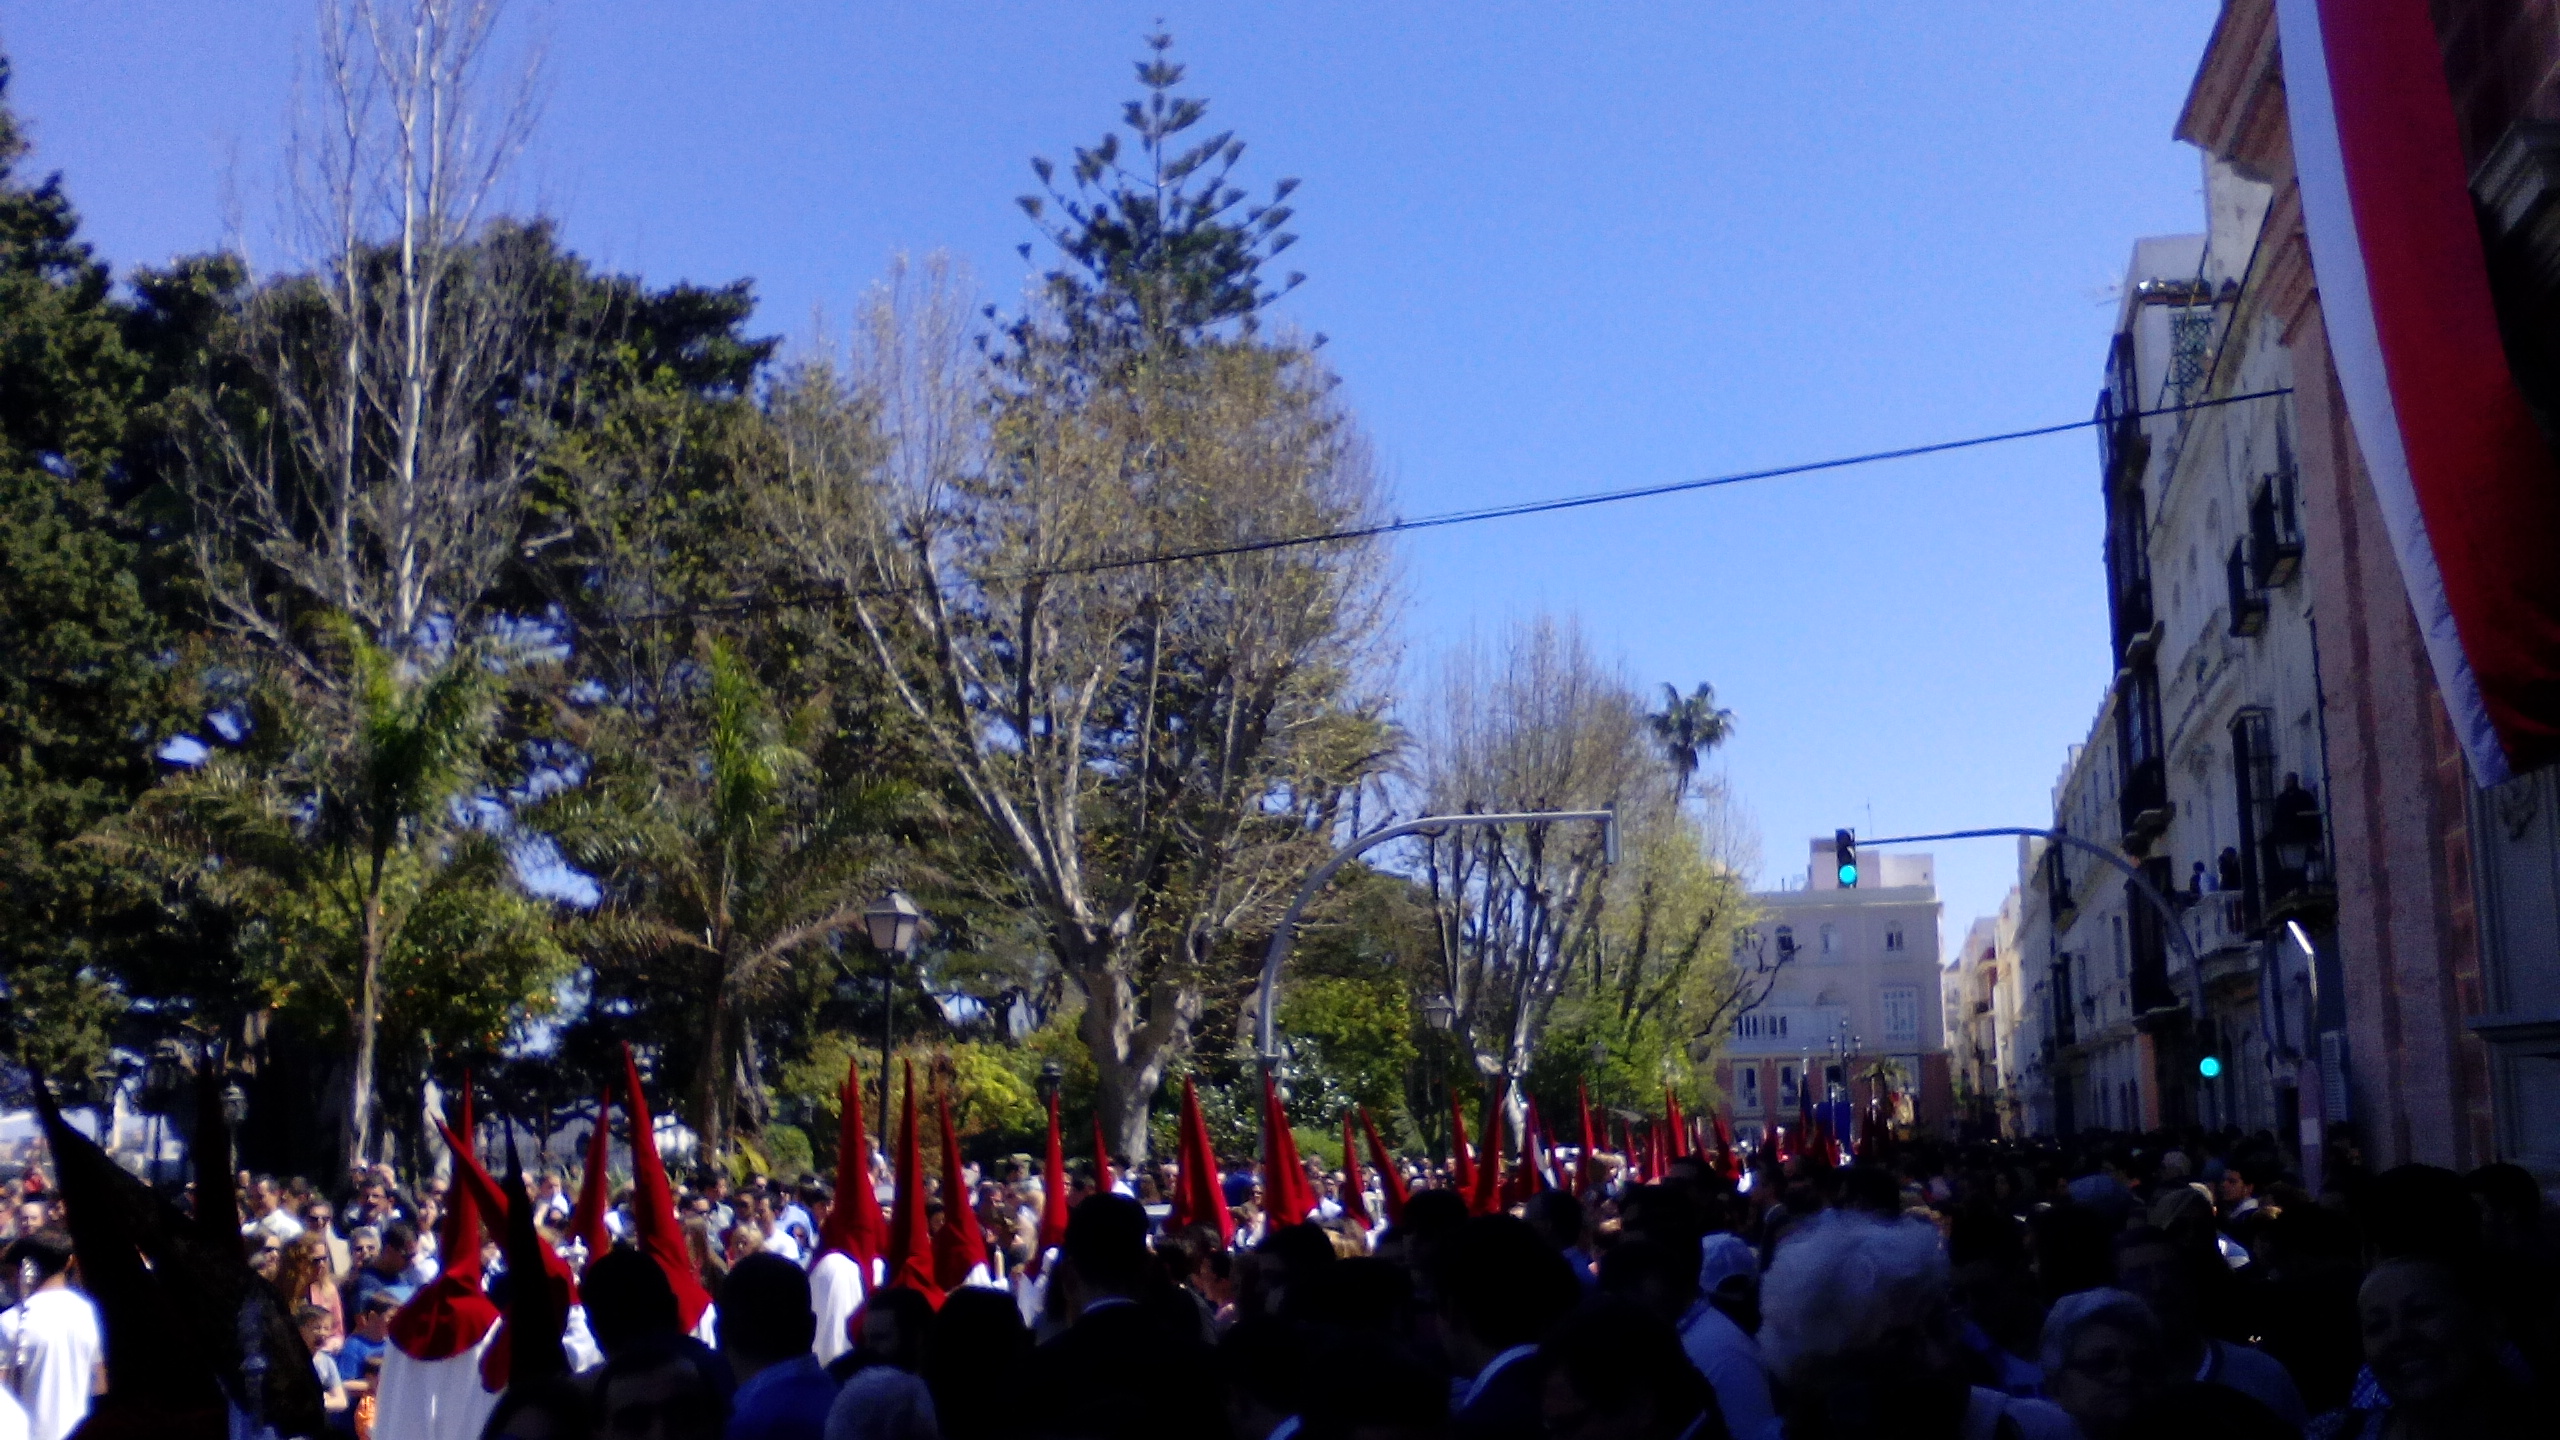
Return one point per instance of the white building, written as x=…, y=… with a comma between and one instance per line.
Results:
x=2218, y=756
x=2084, y=1063
x=1855, y=987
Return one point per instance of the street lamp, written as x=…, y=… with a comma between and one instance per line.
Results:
x=1053, y=1076
x=892, y=922
x=235, y=1110
x=1438, y=1013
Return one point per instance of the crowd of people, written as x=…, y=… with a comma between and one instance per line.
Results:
x=2119, y=1287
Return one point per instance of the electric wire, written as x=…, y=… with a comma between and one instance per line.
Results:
x=1407, y=525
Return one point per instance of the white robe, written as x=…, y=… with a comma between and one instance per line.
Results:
x=433, y=1399
x=836, y=1289
x=53, y=1346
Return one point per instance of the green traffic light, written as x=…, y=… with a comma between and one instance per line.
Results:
x=1848, y=876
x=2209, y=1067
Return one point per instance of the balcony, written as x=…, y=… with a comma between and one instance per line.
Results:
x=2248, y=595
x=2144, y=806
x=2275, y=537
x=2129, y=604
x=2122, y=447
x=2218, y=921
x=2299, y=886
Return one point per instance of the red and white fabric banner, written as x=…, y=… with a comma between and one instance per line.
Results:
x=2466, y=482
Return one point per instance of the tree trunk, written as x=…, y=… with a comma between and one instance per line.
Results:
x=711, y=1136
x=1129, y=1053
x=368, y=1009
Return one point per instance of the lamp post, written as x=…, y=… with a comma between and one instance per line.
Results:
x=235, y=1110
x=893, y=922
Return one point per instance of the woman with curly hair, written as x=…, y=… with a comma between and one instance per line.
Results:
x=303, y=1278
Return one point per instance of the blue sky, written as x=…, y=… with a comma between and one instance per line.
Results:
x=1556, y=248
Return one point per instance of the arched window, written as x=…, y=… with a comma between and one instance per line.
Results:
x=1893, y=937
x=1786, y=940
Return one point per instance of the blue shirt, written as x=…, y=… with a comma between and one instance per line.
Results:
x=354, y=1351
x=788, y=1401
x=370, y=1282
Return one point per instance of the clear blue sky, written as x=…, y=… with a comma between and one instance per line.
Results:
x=1557, y=248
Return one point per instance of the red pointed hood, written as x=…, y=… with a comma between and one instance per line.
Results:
x=1355, y=1189
x=595, y=1187
x=1199, y=1198
x=1103, y=1175
x=1286, y=1196
x=653, y=1204
x=1672, y=1122
x=1053, y=1185
x=1486, y=1199
x=959, y=1246
x=910, y=1253
x=853, y=1226
x=1724, y=1150
x=450, y=1313
x=1391, y=1184
x=1462, y=1165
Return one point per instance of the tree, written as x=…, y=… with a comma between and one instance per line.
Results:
x=723, y=873
x=374, y=464
x=1536, y=723
x=344, y=831
x=1156, y=750
x=1687, y=730
x=86, y=692
x=1664, y=981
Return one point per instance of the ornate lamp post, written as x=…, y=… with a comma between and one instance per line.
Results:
x=893, y=922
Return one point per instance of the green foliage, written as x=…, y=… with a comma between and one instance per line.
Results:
x=85, y=689
x=1161, y=247
x=728, y=865
x=785, y=1151
x=1351, y=1040
x=340, y=837
x=1688, y=730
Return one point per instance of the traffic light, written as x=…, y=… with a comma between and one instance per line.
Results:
x=1844, y=850
x=2209, y=1067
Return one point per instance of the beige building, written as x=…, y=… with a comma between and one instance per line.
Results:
x=1855, y=991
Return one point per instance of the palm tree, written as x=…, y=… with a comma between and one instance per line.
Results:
x=725, y=861
x=1688, y=730
x=343, y=831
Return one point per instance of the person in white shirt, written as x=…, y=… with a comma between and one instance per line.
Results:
x=268, y=1214
x=50, y=1342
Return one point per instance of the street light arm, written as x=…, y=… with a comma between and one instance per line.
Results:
x=1267, y=993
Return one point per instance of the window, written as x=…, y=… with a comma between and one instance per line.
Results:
x=1893, y=937
x=1786, y=942
x=1748, y=1082
x=1790, y=1087
x=1753, y=1025
x=1830, y=939
x=2119, y=937
x=1901, y=1014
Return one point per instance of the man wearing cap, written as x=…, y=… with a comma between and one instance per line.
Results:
x=1722, y=1349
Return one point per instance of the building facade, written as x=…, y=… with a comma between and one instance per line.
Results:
x=1854, y=1010
x=2220, y=752
x=2361, y=934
